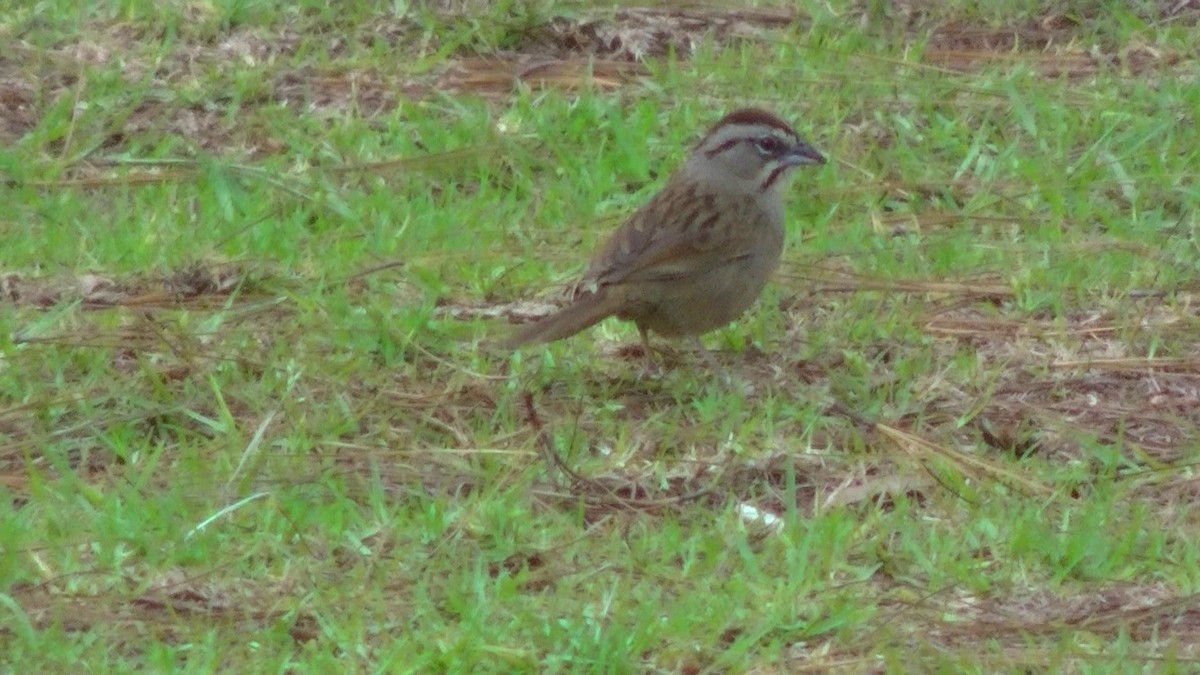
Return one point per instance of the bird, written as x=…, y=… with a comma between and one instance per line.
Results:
x=696, y=255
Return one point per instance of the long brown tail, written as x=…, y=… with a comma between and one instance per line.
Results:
x=585, y=312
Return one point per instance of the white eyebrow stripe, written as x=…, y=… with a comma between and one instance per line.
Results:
x=729, y=135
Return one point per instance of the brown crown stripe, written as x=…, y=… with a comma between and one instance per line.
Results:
x=753, y=116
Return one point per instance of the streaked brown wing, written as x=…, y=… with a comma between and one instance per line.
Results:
x=672, y=236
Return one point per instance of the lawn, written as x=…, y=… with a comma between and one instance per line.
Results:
x=255, y=256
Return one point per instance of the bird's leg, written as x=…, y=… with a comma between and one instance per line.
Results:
x=651, y=367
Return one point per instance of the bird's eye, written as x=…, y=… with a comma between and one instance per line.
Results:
x=768, y=145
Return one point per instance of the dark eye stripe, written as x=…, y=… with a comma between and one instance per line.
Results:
x=769, y=144
x=723, y=147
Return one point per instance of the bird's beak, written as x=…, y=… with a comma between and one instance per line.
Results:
x=803, y=154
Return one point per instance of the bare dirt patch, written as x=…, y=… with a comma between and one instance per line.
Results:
x=171, y=608
x=1146, y=611
x=1069, y=61
x=640, y=33
x=188, y=285
x=1084, y=380
x=1054, y=44
x=606, y=50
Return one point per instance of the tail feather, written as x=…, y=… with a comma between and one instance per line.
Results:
x=584, y=312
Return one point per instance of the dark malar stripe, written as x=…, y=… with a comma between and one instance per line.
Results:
x=774, y=176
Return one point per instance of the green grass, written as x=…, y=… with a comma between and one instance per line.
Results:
x=253, y=253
